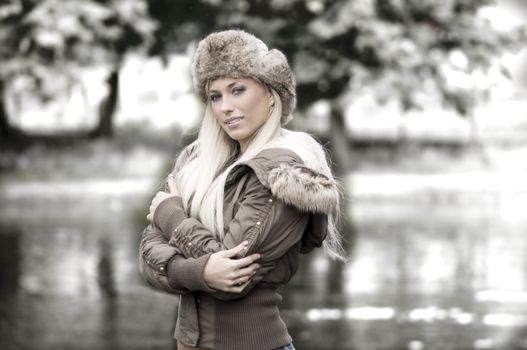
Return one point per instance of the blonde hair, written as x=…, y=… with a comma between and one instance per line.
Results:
x=201, y=181
x=314, y=156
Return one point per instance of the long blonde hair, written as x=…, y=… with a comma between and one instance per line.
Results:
x=314, y=156
x=201, y=181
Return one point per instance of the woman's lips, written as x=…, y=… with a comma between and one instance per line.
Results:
x=233, y=121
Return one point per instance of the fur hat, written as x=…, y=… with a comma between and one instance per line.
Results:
x=238, y=54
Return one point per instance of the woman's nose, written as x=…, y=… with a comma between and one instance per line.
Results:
x=226, y=105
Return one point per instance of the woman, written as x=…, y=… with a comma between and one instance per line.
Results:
x=242, y=202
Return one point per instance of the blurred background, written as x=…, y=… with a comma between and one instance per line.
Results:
x=421, y=103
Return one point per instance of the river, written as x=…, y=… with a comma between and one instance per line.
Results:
x=431, y=266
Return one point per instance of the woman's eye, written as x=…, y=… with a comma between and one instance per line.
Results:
x=214, y=98
x=238, y=90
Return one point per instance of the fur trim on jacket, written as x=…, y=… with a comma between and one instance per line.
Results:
x=283, y=172
x=282, y=169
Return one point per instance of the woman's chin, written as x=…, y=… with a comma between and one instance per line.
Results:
x=237, y=135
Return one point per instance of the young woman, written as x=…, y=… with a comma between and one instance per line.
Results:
x=244, y=200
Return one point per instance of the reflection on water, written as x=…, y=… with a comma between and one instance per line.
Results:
x=9, y=260
x=448, y=272
x=105, y=273
x=78, y=282
x=106, y=283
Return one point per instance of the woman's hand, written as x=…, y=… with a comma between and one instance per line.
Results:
x=225, y=273
x=161, y=196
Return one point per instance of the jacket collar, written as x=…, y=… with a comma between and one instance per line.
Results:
x=284, y=173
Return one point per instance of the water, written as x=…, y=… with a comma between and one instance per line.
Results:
x=439, y=269
x=448, y=274
x=71, y=260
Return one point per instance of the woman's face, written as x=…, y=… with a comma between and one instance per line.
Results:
x=241, y=106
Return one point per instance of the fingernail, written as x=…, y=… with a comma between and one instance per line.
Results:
x=245, y=242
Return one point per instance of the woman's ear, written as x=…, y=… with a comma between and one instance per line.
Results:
x=271, y=100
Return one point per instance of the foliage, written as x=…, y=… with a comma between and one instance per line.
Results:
x=404, y=49
x=43, y=43
x=395, y=48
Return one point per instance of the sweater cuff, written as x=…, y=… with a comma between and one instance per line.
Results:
x=169, y=214
x=187, y=273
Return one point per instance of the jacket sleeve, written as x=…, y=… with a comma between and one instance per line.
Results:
x=165, y=269
x=155, y=256
x=270, y=226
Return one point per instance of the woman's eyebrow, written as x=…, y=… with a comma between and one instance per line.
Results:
x=228, y=86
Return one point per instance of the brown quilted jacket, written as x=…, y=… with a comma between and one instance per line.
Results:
x=275, y=203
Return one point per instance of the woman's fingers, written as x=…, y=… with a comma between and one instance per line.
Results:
x=239, y=288
x=239, y=281
x=248, y=271
x=226, y=273
x=150, y=216
x=248, y=260
x=231, y=253
x=161, y=196
x=172, y=185
x=158, y=198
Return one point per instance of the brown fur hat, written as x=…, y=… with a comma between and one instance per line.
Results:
x=238, y=54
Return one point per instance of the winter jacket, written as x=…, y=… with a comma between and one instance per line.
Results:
x=281, y=208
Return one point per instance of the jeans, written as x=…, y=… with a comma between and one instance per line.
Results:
x=287, y=347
